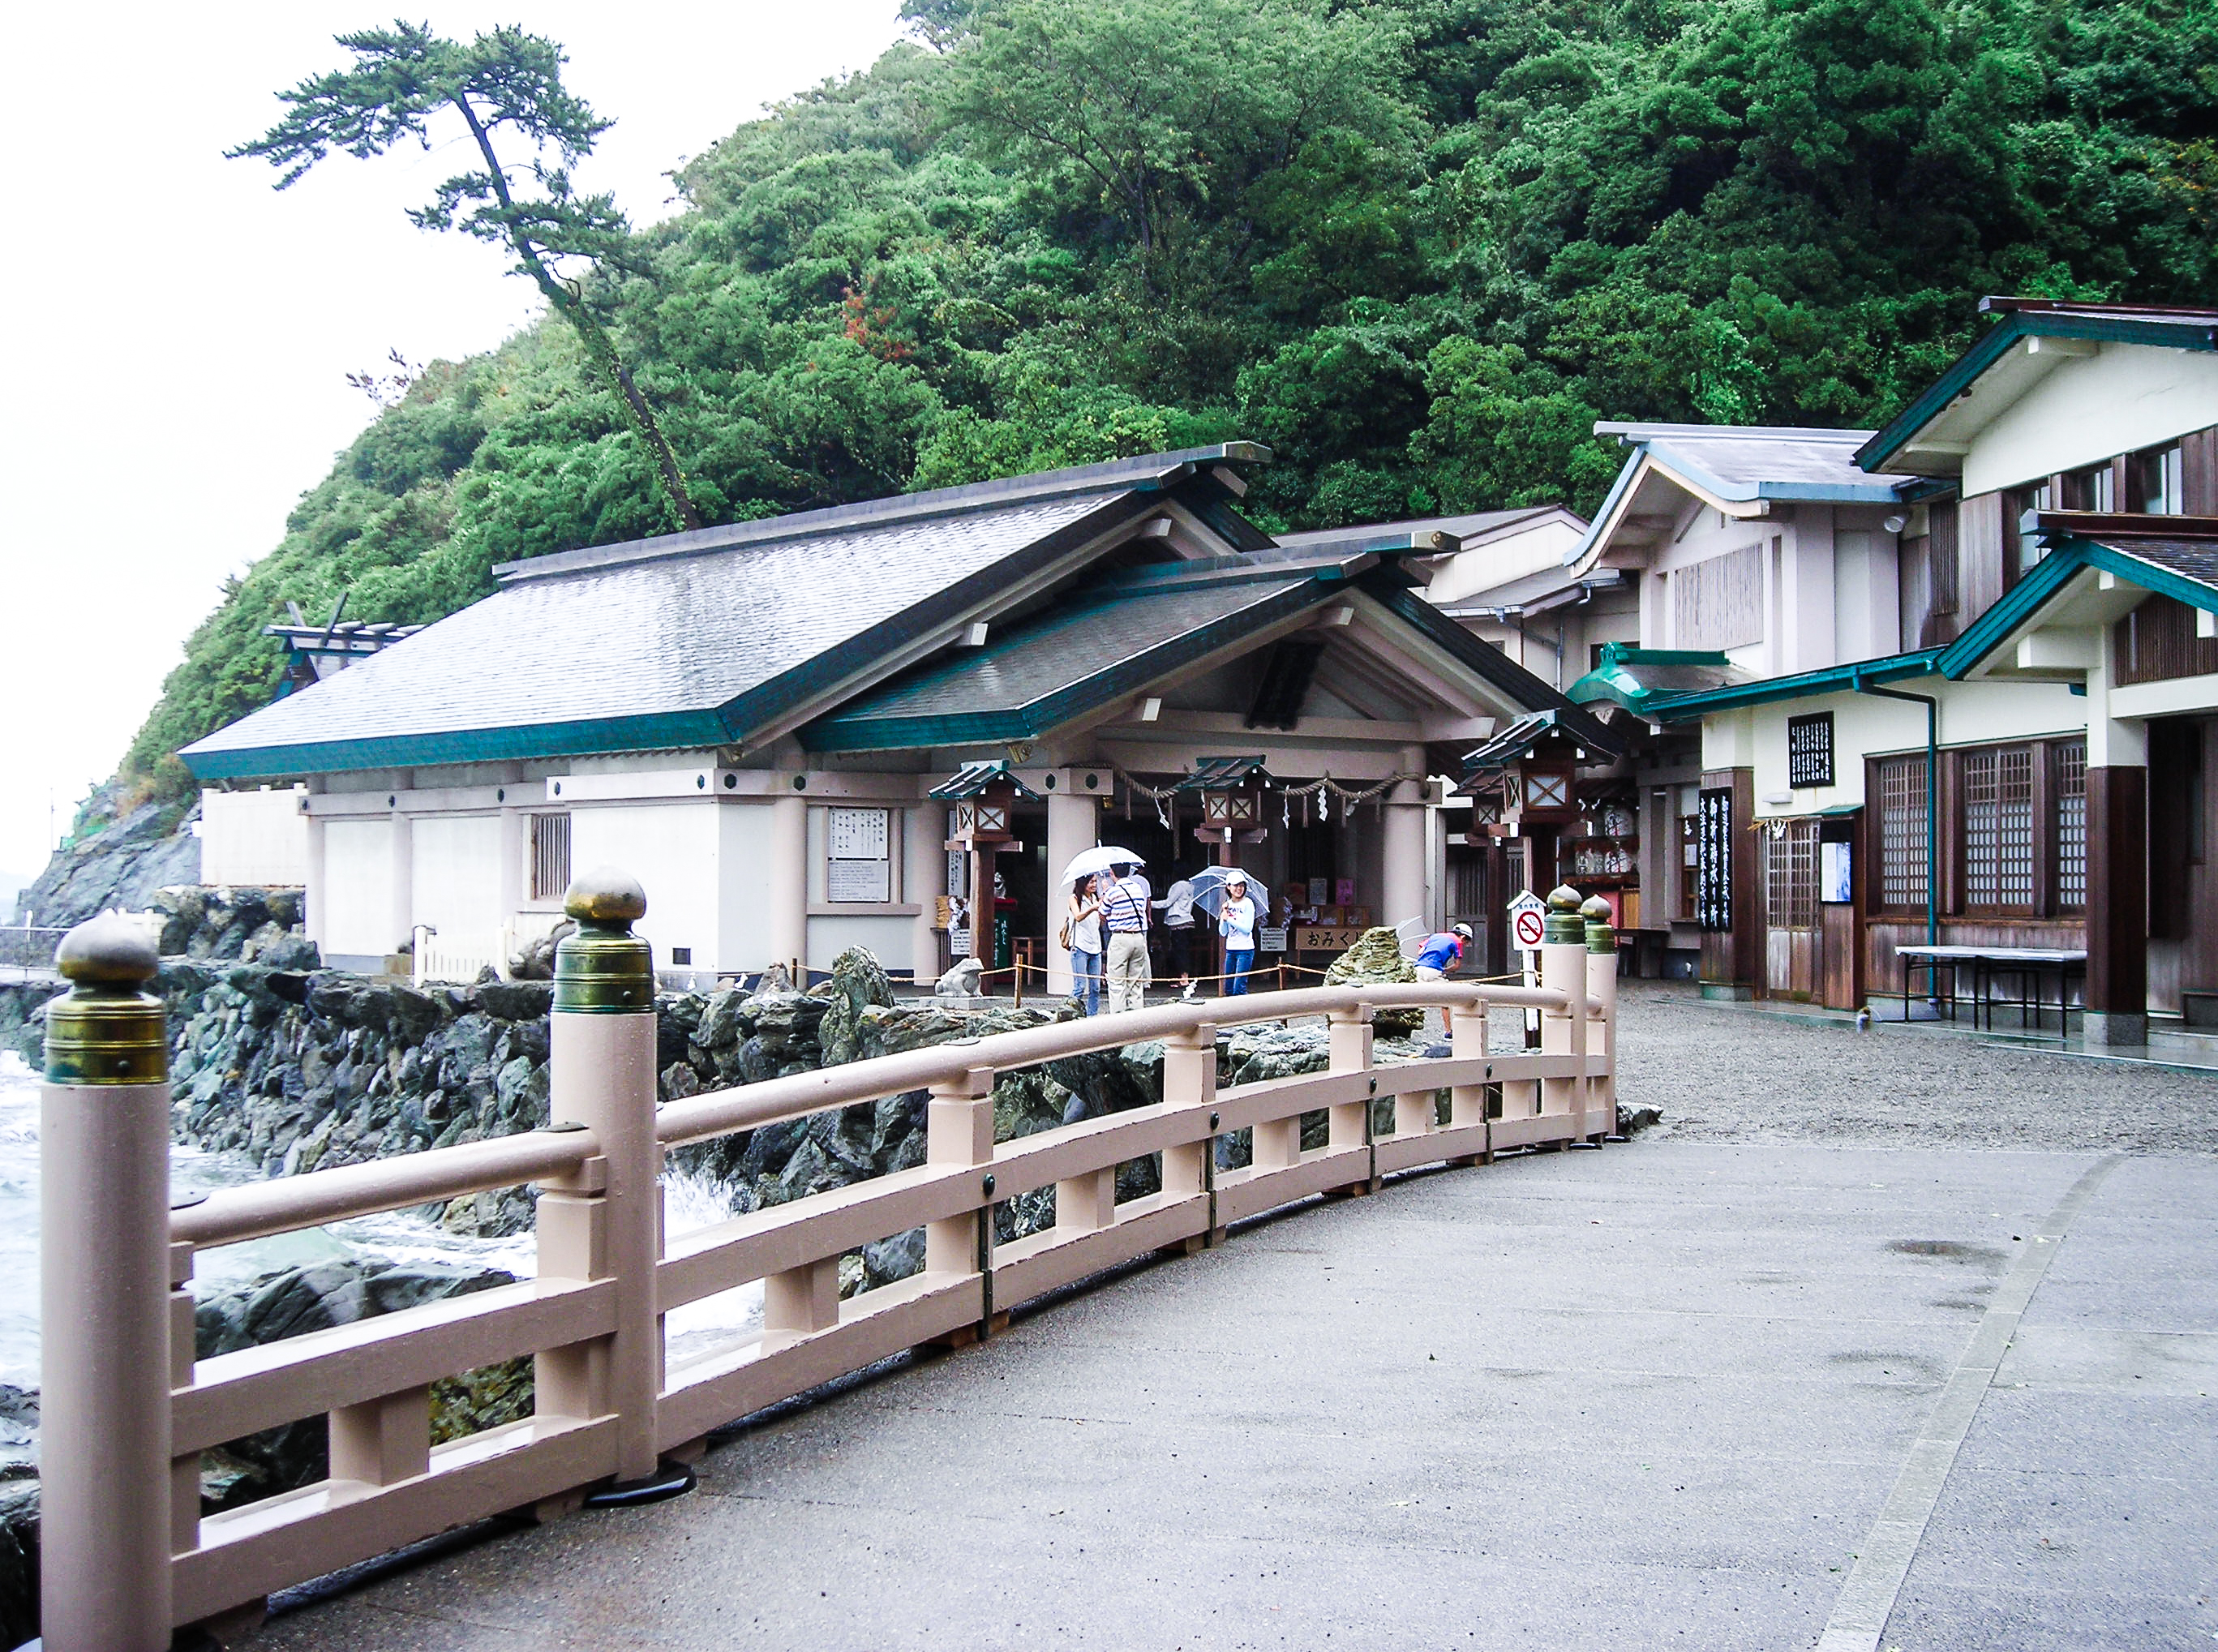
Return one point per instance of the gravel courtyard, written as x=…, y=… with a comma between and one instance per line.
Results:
x=1727, y=1073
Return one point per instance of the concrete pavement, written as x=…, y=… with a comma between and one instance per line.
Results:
x=1656, y=1395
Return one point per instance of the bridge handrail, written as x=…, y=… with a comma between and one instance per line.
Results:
x=129, y=1408
x=772, y=1101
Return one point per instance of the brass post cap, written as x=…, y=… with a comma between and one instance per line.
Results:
x=605, y=895
x=1595, y=909
x=1563, y=897
x=109, y=950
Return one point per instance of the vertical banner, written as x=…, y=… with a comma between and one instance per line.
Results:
x=1713, y=890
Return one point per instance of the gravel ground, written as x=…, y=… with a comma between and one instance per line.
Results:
x=1724, y=1073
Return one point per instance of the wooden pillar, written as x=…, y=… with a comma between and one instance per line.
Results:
x=1073, y=822
x=924, y=878
x=2117, y=905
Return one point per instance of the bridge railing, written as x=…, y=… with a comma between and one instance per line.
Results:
x=129, y=1409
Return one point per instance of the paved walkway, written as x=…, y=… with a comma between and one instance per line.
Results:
x=1679, y=1393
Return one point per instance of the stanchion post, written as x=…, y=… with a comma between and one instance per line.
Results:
x=105, y=1364
x=1601, y=1022
x=606, y=1221
x=1564, y=969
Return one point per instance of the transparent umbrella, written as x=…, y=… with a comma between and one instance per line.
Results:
x=1209, y=886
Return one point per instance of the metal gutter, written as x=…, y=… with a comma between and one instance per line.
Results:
x=1833, y=679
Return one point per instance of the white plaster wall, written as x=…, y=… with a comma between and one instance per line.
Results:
x=1971, y=713
x=2092, y=408
x=743, y=915
x=356, y=897
x=256, y=837
x=890, y=937
x=455, y=876
x=1867, y=600
x=672, y=849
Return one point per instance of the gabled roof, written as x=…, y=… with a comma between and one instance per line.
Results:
x=1833, y=679
x=710, y=638
x=974, y=777
x=1634, y=677
x=1520, y=737
x=2183, y=568
x=1740, y=469
x=1210, y=772
x=2166, y=326
x=1110, y=637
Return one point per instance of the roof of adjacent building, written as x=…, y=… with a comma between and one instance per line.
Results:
x=1443, y=532
x=2166, y=326
x=1634, y=677
x=578, y=652
x=2178, y=559
x=1739, y=469
x=1799, y=685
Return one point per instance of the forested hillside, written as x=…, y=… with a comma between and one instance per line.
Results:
x=1417, y=246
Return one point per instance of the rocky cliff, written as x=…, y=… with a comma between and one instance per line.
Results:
x=122, y=851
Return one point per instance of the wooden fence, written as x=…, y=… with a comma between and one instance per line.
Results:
x=128, y=1553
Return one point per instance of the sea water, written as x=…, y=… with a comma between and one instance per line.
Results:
x=396, y=1236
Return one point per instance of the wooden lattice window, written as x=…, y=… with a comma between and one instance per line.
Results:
x=2071, y=795
x=1902, y=832
x=550, y=856
x=1999, y=829
x=1790, y=865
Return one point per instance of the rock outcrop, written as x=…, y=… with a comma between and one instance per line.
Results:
x=1377, y=957
x=123, y=852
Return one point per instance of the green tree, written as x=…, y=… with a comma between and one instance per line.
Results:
x=505, y=80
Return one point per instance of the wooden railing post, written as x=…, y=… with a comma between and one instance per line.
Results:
x=1190, y=1080
x=958, y=1130
x=606, y=1223
x=1467, y=1102
x=107, y=1505
x=1347, y=1046
x=1564, y=969
x=1602, y=1024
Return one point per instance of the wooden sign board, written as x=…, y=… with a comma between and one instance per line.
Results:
x=1319, y=938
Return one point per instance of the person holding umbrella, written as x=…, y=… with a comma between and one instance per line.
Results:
x=1236, y=922
x=1081, y=930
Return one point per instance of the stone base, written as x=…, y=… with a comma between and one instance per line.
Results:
x=964, y=1004
x=1728, y=991
x=2113, y=1027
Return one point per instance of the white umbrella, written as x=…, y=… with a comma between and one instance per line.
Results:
x=1100, y=859
x=1209, y=885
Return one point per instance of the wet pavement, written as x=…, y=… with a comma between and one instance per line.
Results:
x=1692, y=1391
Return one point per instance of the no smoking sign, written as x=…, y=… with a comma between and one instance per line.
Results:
x=1527, y=915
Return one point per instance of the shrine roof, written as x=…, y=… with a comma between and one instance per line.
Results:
x=722, y=636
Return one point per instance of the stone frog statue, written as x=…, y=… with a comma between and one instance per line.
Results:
x=963, y=980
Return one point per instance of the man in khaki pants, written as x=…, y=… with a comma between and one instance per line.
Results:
x=1125, y=913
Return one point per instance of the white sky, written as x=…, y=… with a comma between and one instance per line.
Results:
x=180, y=332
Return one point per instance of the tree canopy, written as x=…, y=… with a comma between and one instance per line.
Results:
x=1418, y=247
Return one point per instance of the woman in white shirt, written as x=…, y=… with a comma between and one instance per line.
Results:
x=1236, y=922
x=1083, y=926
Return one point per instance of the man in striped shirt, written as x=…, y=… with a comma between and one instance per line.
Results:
x=1124, y=914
